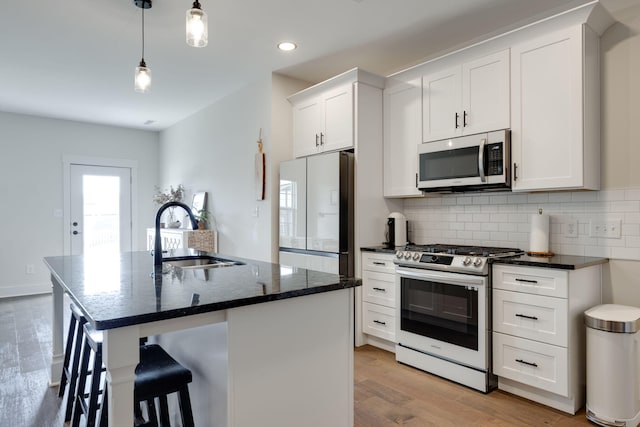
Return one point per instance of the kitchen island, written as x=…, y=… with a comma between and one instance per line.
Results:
x=289, y=332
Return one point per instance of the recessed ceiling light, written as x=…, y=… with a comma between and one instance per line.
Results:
x=287, y=46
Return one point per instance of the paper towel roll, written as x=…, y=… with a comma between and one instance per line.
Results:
x=539, y=236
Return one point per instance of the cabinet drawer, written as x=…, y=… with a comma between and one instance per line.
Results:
x=540, y=281
x=381, y=262
x=539, y=365
x=379, y=288
x=379, y=321
x=536, y=317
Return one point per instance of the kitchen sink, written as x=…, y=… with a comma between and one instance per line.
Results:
x=200, y=262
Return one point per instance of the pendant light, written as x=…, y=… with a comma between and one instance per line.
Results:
x=197, y=27
x=142, y=77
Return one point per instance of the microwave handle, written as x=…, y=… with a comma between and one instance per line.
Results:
x=483, y=141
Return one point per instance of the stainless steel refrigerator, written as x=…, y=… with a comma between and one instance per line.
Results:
x=316, y=213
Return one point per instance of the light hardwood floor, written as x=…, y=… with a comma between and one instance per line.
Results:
x=388, y=393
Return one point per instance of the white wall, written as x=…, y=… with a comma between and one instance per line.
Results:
x=213, y=150
x=31, y=175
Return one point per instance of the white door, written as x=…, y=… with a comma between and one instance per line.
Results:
x=485, y=94
x=306, y=127
x=337, y=128
x=402, y=135
x=441, y=102
x=100, y=209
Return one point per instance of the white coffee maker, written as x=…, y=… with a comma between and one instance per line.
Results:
x=396, y=230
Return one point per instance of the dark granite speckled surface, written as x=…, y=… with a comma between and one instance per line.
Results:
x=562, y=262
x=121, y=290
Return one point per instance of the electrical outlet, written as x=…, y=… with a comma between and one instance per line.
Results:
x=571, y=227
x=29, y=269
x=610, y=229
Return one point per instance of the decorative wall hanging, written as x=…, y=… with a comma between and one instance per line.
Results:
x=260, y=164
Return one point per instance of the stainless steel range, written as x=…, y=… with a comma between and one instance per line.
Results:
x=444, y=311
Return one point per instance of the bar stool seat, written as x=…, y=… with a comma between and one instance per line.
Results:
x=157, y=376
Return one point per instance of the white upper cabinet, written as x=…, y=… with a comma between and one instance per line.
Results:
x=324, y=122
x=466, y=99
x=402, y=135
x=555, y=130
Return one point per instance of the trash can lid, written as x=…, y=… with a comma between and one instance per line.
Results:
x=613, y=318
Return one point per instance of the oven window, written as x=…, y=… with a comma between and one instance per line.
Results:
x=458, y=163
x=447, y=313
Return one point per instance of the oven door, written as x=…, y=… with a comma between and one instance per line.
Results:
x=443, y=314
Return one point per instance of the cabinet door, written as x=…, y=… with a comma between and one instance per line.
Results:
x=337, y=129
x=485, y=94
x=307, y=118
x=547, y=125
x=441, y=105
x=402, y=135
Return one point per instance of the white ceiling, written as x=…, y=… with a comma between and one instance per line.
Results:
x=74, y=59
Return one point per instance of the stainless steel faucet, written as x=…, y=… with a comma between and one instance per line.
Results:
x=157, y=247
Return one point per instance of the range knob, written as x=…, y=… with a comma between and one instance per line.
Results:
x=407, y=255
x=466, y=260
x=399, y=254
x=477, y=262
x=416, y=256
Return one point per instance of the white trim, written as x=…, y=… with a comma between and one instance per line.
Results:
x=67, y=161
x=12, y=291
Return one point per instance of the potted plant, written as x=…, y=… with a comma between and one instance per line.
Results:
x=203, y=219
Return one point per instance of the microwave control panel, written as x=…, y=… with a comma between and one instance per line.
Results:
x=495, y=158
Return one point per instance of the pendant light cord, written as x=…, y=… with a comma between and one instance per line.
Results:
x=143, y=4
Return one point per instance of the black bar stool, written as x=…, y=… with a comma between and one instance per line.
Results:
x=72, y=358
x=157, y=375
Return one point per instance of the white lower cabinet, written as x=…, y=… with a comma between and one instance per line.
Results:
x=378, y=299
x=539, y=333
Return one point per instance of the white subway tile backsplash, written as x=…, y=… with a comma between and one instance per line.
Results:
x=503, y=219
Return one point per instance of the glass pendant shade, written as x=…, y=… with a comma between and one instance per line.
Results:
x=197, y=27
x=142, y=79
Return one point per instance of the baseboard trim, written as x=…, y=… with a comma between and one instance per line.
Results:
x=25, y=290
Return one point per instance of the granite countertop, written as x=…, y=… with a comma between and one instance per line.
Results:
x=562, y=262
x=120, y=290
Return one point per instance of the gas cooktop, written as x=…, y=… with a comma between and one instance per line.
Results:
x=479, y=251
x=454, y=258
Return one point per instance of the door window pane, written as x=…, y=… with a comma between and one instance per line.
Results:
x=101, y=213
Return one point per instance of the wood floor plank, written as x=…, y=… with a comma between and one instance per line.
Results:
x=386, y=393
x=431, y=400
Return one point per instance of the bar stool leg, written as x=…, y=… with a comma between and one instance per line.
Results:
x=185, y=407
x=153, y=416
x=74, y=371
x=67, y=355
x=164, y=411
x=78, y=393
x=96, y=375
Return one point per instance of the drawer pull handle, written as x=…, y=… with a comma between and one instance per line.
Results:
x=526, y=280
x=526, y=317
x=378, y=263
x=380, y=289
x=524, y=362
x=380, y=322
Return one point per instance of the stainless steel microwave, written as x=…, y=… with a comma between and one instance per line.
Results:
x=466, y=163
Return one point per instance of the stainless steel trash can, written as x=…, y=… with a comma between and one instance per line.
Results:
x=613, y=365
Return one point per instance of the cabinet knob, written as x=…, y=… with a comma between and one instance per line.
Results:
x=456, y=120
x=317, y=140
x=75, y=232
x=464, y=119
x=321, y=138
x=515, y=171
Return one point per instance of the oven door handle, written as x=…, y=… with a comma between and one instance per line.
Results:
x=448, y=278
